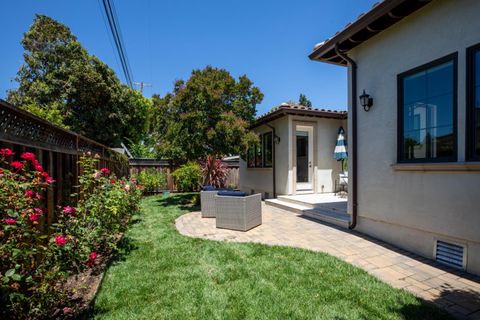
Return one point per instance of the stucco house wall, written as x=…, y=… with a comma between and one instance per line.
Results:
x=414, y=209
x=326, y=169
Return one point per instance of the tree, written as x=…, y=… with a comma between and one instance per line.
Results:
x=303, y=101
x=60, y=82
x=209, y=114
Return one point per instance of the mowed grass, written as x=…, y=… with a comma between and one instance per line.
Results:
x=164, y=275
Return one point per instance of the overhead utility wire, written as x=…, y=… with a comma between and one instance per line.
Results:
x=119, y=44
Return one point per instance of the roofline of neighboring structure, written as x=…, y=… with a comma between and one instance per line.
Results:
x=382, y=16
x=284, y=110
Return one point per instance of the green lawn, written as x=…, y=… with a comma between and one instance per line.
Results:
x=164, y=275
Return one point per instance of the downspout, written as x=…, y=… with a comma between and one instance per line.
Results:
x=273, y=161
x=353, y=66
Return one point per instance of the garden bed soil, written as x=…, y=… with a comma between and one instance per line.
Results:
x=81, y=289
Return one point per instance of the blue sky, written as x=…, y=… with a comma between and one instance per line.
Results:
x=267, y=40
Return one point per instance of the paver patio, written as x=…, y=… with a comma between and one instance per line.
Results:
x=455, y=291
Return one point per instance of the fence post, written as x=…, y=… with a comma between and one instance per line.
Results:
x=50, y=193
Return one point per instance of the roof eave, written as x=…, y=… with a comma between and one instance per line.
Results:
x=383, y=10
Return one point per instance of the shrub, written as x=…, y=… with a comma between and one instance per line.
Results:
x=214, y=172
x=187, y=177
x=152, y=179
x=34, y=261
x=27, y=274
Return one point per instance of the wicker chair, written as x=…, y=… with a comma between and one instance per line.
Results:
x=238, y=213
x=207, y=203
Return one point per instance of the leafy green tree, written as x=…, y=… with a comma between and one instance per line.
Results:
x=60, y=82
x=209, y=114
x=303, y=101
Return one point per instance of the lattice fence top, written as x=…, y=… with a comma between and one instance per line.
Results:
x=21, y=127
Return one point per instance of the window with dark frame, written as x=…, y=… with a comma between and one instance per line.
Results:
x=267, y=149
x=473, y=103
x=261, y=156
x=427, y=112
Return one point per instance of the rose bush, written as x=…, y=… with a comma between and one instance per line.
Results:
x=35, y=257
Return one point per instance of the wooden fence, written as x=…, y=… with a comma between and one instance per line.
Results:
x=57, y=149
x=167, y=167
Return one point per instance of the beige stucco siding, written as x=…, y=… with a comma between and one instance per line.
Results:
x=412, y=209
x=326, y=169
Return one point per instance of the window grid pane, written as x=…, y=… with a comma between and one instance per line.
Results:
x=428, y=114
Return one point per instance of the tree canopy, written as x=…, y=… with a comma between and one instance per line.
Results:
x=303, y=101
x=209, y=114
x=61, y=82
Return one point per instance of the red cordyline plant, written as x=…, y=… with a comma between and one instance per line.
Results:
x=214, y=172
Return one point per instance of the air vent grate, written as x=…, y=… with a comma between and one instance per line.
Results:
x=450, y=254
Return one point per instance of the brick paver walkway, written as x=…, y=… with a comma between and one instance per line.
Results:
x=457, y=292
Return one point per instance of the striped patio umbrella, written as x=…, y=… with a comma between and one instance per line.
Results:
x=340, y=152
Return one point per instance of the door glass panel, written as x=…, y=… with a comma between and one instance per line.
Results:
x=302, y=156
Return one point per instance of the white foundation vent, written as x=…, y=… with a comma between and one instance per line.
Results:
x=450, y=254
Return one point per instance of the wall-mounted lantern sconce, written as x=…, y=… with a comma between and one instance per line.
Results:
x=276, y=139
x=366, y=101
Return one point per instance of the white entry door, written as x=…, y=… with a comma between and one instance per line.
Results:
x=304, y=157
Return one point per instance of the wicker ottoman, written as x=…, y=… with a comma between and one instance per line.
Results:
x=238, y=213
x=207, y=203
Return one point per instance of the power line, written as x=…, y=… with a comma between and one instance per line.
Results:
x=117, y=37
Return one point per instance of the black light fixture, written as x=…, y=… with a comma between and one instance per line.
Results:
x=366, y=101
x=276, y=139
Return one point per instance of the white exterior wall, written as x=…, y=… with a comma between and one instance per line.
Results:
x=413, y=209
x=326, y=169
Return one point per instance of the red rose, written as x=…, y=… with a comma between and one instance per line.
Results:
x=113, y=181
x=91, y=258
x=6, y=152
x=17, y=165
x=105, y=171
x=33, y=217
x=30, y=193
x=9, y=221
x=60, y=240
x=67, y=310
x=1, y=171
x=47, y=178
x=28, y=156
x=69, y=210
x=37, y=166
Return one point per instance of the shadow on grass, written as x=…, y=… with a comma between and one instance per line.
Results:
x=184, y=201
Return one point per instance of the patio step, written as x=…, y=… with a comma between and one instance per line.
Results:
x=329, y=206
x=288, y=206
x=335, y=217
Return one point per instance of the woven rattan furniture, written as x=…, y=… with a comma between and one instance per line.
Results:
x=238, y=213
x=207, y=203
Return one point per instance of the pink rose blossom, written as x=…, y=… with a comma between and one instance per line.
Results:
x=60, y=240
x=38, y=211
x=67, y=310
x=17, y=165
x=33, y=217
x=105, y=171
x=9, y=221
x=37, y=166
x=91, y=258
x=28, y=156
x=6, y=152
x=69, y=210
